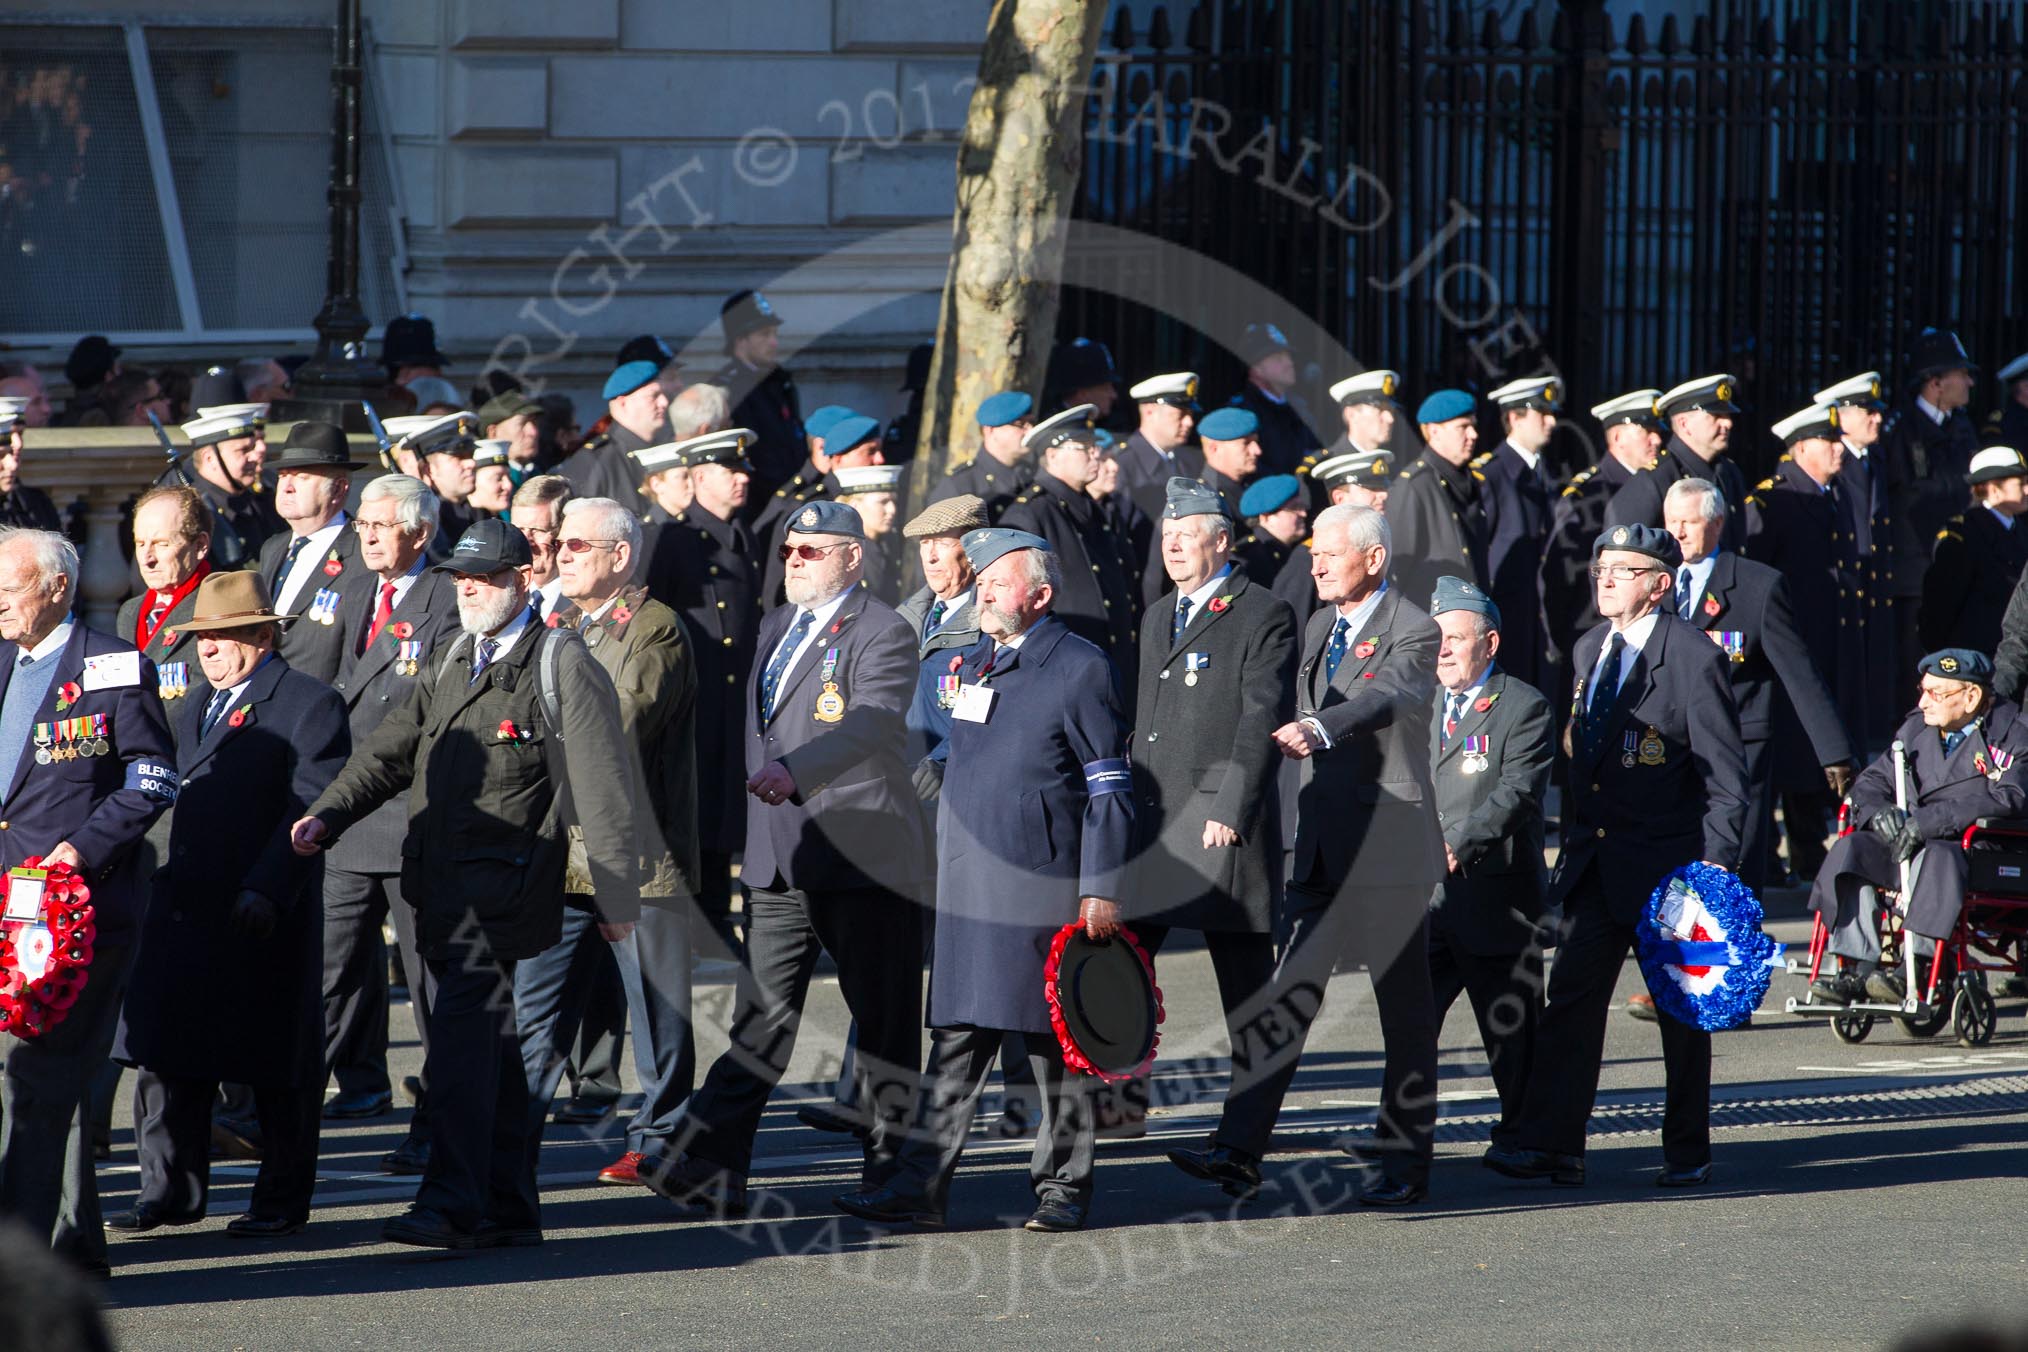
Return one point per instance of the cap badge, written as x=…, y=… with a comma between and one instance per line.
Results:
x=1620, y=536
x=808, y=518
x=1724, y=391
x=1948, y=663
x=1387, y=384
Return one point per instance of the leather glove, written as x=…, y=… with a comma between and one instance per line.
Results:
x=1888, y=822
x=1908, y=841
x=1839, y=777
x=253, y=916
x=929, y=779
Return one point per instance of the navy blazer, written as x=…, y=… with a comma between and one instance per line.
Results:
x=855, y=820
x=1666, y=784
x=1746, y=612
x=1490, y=807
x=1036, y=812
x=102, y=805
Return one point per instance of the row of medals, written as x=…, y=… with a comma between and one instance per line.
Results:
x=51, y=743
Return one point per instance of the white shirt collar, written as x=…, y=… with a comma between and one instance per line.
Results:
x=1532, y=459
x=548, y=596
x=1636, y=633
x=1471, y=692
x=952, y=606
x=1700, y=576
x=510, y=633
x=1210, y=589
x=1935, y=414
x=1364, y=612
x=309, y=559
x=53, y=643
x=1856, y=452
x=1272, y=396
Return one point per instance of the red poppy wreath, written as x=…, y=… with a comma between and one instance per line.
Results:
x=43, y=960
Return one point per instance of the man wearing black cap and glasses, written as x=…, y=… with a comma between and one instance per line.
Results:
x=1657, y=781
x=510, y=739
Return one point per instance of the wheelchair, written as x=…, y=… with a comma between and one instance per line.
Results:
x=1990, y=938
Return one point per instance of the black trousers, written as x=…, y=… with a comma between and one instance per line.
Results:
x=1506, y=994
x=355, y=976
x=1386, y=928
x=482, y=1144
x=1570, y=1043
x=1757, y=862
x=715, y=935
x=874, y=935
x=172, y=1128
x=48, y=1180
x=960, y=1061
x=1244, y=965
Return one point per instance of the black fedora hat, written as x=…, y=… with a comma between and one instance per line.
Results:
x=1103, y=1003
x=315, y=445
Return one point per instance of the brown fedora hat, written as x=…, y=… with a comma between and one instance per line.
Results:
x=231, y=600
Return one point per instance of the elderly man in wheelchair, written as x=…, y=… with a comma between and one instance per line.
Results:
x=1960, y=757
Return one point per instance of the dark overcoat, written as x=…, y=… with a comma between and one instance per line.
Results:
x=1490, y=776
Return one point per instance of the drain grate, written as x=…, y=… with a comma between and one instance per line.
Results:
x=1987, y=1096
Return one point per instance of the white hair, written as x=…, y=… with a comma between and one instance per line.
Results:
x=415, y=505
x=1364, y=527
x=1709, y=501
x=1040, y=566
x=699, y=409
x=52, y=554
x=606, y=520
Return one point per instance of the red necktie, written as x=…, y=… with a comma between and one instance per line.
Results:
x=381, y=612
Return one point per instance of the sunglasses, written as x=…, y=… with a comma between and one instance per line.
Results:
x=576, y=545
x=808, y=553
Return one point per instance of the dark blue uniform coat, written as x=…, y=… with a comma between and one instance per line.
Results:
x=1517, y=502
x=1031, y=820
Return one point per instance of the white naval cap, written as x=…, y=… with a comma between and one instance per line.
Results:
x=1711, y=393
x=1637, y=406
x=1538, y=392
x=1818, y=420
x=490, y=451
x=1177, y=387
x=1862, y=389
x=1073, y=424
x=11, y=412
x=1996, y=462
x=1368, y=387
x=869, y=478
x=2014, y=370
x=204, y=431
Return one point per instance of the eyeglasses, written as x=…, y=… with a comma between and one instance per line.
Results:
x=363, y=526
x=1619, y=572
x=808, y=553
x=576, y=545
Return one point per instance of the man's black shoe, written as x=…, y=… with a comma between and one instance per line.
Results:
x=412, y=1088
x=1838, y=988
x=578, y=1113
x=885, y=1206
x=427, y=1228
x=834, y=1118
x=690, y=1181
x=148, y=1216
x=1693, y=1176
x=1390, y=1192
x=409, y=1159
x=1056, y=1216
x=1233, y=1170
x=1564, y=1170
x=251, y=1226
x=346, y=1106
x=1887, y=985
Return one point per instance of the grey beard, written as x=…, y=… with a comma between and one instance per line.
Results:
x=479, y=622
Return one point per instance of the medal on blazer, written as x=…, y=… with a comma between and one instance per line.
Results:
x=1477, y=750
x=408, y=657
x=44, y=751
x=1651, y=747
x=2002, y=761
x=101, y=725
x=324, y=608
x=1194, y=663
x=1732, y=640
x=947, y=691
x=172, y=680
x=830, y=704
x=1627, y=751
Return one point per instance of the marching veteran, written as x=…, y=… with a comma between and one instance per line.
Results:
x=1490, y=751
x=228, y=986
x=1657, y=781
x=1036, y=824
x=509, y=737
x=89, y=768
x=1965, y=751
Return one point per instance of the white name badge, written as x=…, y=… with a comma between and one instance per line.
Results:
x=112, y=671
x=24, y=894
x=975, y=703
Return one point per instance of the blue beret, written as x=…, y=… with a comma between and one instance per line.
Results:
x=1269, y=495
x=1454, y=593
x=630, y=377
x=1000, y=409
x=1189, y=497
x=982, y=547
x=1228, y=424
x=1958, y=664
x=822, y=516
x=849, y=431
x=1445, y=405
x=821, y=419
x=1653, y=541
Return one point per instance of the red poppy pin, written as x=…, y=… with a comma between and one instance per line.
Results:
x=621, y=614
x=67, y=695
x=553, y=618
x=1711, y=606
x=1482, y=703
x=1219, y=603
x=333, y=566
x=239, y=716
x=509, y=733
x=169, y=638
x=402, y=629
x=957, y=660
x=1365, y=648
x=1366, y=675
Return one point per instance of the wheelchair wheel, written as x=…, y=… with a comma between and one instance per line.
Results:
x=1852, y=1027
x=1939, y=1015
x=1974, y=1014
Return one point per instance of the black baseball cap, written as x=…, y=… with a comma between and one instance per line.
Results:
x=487, y=547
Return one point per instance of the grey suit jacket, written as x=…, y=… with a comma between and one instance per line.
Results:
x=1490, y=776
